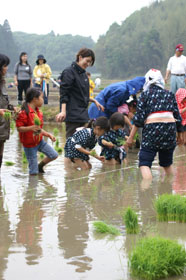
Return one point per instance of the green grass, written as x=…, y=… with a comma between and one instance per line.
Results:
x=9, y=163
x=130, y=220
x=171, y=208
x=156, y=258
x=101, y=227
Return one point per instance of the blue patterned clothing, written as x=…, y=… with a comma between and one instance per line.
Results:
x=116, y=137
x=157, y=136
x=84, y=138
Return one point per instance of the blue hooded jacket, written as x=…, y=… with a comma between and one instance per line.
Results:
x=114, y=96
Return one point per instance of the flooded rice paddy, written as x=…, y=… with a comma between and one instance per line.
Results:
x=46, y=221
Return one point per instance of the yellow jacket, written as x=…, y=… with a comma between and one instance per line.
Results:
x=91, y=88
x=42, y=69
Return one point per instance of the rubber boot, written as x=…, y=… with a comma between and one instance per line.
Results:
x=40, y=167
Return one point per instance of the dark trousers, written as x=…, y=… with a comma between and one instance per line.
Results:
x=23, y=85
x=1, y=151
x=71, y=128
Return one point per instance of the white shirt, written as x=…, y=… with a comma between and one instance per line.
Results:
x=177, y=65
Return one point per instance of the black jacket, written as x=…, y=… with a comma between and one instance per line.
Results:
x=74, y=91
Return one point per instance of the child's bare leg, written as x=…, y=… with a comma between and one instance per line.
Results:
x=146, y=172
x=168, y=170
x=81, y=164
x=184, y=137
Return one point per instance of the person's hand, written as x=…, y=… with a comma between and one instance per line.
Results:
x=166, y=80
x=42, y=75
x=129, y=141
x=35, y=128
x=101, y=158
x=16, y=83
x=61, y=117
x=52, y=137
x=2, y=111
x=99, y=106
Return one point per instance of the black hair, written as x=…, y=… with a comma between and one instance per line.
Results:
x=84, y=52
x=102, y=122
x=132, y=103
x=117, y=119
x=4, y=61
x=31, y=93
x=20, y=60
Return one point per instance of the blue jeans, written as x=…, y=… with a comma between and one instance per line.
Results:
x=45, y=94
x=31, y=155
x=177, y=82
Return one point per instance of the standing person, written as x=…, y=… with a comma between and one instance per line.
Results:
x=158, y=114
x=91, y=85
x=177, y=69
x=74, y=92
x=42, y=74
x=4, y=105
x=181, y=101
x=29, y=124
x=23, y=76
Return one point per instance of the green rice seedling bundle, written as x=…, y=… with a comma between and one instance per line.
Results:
x=55, y=131
x=101, y=227
x=157, y=258
x=57, y=143
x=9, y=163
x=37, y=120
x=7, y=116
x=59, y=150
x=41, y=155
x=130, y=219
x=121, y=142
x=171, y=208
x=93, y=153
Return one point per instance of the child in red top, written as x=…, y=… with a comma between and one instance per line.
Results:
x=29, y=124
x=181, y=101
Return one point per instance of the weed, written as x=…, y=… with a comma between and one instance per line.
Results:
x=171, y=208
x=9, y=163
x=101, y=227
x=130, y=219
x=156, y=257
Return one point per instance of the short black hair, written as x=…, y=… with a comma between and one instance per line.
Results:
x=117, y=119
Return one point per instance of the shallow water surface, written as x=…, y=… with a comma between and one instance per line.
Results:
x=46, y=221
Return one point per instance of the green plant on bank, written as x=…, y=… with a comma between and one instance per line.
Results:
x=130, y=219
x=171, y=208
x=93, y=153
x=55, y=131
x=24, y=159
x=9, y=163
x=101, y=227
x=156, y=258
x=7, y=116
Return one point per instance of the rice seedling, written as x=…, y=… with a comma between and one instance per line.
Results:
x=24, y=159
x=121, y=142
x=93, y=153
x=7, y=116
x=130, y=219
x=57, y=143
x=156, y=258
x=171, y=208
x=59, y=150
x=101, y=227
x=37, y=120
x=41, y=155
x=9, y=163
x=55, y=131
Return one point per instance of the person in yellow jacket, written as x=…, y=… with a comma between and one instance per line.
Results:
x=91, y=86
x=42, y=74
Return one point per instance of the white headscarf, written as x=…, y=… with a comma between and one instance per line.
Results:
x=153, y=77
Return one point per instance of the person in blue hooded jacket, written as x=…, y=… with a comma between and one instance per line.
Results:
x=114, y=96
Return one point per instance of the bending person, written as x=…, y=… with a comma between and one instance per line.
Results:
x=114, y=96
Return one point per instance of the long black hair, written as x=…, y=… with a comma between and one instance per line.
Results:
x=102, y=122
x=20, y=60
x=31, y=93
x=4, y=61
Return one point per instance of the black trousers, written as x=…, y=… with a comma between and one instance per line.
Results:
x=23, y=85
x=71, y=128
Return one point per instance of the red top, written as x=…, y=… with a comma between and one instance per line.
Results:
x=28, y=139
x=181, y=101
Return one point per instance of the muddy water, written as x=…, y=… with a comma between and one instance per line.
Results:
x=46, y=221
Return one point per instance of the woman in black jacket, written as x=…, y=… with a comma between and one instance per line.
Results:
x=74, y=92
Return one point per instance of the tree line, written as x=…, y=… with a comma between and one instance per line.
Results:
x=146, y=39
